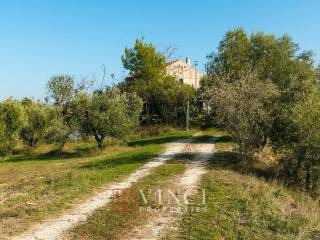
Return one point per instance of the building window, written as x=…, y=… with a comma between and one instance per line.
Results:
x=181, y=80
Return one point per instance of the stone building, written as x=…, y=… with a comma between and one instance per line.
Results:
x=184, y=72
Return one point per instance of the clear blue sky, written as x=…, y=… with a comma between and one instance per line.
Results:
x=39, y=38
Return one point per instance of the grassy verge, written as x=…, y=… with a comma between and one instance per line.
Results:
x=44, y=182
x=244, y=206
x=110, y=222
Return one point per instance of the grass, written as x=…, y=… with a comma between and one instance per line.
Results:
x=242, y=207
x=169, y=135
x=242, y=201
x=44, y=182
x=243, y=204
x=110, y=222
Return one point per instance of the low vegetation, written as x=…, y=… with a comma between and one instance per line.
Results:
x=112, y=222
x=46, y=181
x=243, y=204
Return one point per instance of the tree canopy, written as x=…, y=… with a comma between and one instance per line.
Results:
x=107, y=113
x=162, y=95
x=273, y=59
x=36, y=121
x=263, y=89
x=12, y=120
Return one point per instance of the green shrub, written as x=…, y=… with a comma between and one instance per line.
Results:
x=12, y=120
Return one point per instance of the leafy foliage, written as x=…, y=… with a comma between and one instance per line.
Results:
x=163, y=97
x=243, y=107
x=12, y=120
x=57, y=131
x=262, y=89
x=273, y=60
x=107, y=113
x=304, y=163
x=61, y=89
x=36, y=122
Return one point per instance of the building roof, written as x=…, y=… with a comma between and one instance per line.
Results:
x=171, y=62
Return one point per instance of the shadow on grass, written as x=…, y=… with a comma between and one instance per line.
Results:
x=160, y=140
x=225, y=139
x=241, y=164
x=142, y=157
x=122, y=158
x=125, y=158
x=181, y=138
x=55, y=155
x=89, y=150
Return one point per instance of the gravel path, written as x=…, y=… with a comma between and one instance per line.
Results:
x=157, y=225
x=53, y=229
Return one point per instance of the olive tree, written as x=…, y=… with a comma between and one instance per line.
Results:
x=107, y=113
x=57, y=131
x=61, y=89
x=304, y=165
x=36, y=122
x=273, y=58
x=2, y=135
x=279, y=100
x=12, y=120
x=243, y=107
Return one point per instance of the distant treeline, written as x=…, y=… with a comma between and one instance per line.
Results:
x=148, y=95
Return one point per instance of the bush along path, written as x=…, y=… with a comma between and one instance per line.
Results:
x=53, y=229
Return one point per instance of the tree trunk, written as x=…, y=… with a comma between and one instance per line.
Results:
x=61, y=146
x=99, y=140
x=100, y=145
x=148, y=113
x=32, y=142
x=308, y=180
